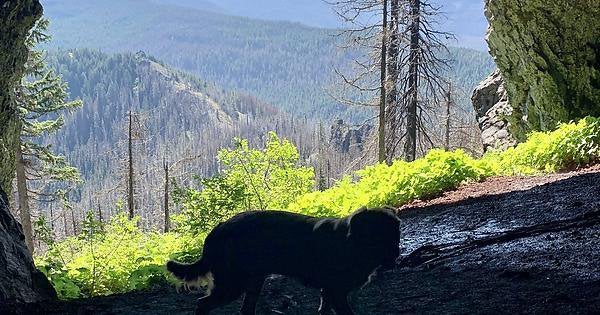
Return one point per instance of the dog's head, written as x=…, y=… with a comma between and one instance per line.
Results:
x=376, y=233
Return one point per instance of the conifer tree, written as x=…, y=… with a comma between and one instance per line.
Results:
x=41, y=175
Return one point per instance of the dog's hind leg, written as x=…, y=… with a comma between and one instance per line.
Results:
x=253, y=289
x=339, y=302
x=325, y=305
x=221, y=295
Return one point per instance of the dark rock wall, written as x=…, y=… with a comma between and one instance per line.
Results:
x=20, y=281
x=16, y=19
x=548, y=53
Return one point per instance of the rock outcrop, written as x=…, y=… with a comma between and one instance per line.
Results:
x=343, y=138
x=548, y=53
x=492, y=109
x=16, y=19
x=20, y=281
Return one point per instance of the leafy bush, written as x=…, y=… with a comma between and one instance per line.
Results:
x=381, y=185
x=116, y=258
x=572, y=144
x=251, y=179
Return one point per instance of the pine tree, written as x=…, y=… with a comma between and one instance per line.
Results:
x=41, y=175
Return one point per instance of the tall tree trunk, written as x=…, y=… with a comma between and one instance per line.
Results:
x=382, y=97
x=100, y=214
x=448, y=104
x=392, y=75
x=413, y=81
x=24, y=210
x=73, y=222
x=130, y=178
x=166, y=195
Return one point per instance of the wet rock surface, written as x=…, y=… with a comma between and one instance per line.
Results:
x=508, y=245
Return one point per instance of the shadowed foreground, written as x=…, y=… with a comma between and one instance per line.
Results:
x=528, y=244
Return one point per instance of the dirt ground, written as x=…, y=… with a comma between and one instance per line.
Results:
x=507, y=245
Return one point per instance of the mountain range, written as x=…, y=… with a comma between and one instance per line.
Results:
x=288, y=65
x=464, y=18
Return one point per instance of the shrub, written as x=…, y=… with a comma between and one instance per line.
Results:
x=252, y=179
x=119, y=259
x=571, y=145
x=383, y=185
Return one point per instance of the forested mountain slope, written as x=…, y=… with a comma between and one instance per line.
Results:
x=176, y=117
x=286, y=64
x=463, y=18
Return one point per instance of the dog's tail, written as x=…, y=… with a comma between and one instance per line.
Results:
x=194, y=274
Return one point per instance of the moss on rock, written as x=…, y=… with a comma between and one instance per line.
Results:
x=549, y=55
x=16, y=19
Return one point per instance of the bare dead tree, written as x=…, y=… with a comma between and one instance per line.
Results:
x=364, y=80
x=424, y=81
x=135, y=133
x=130, y=205
x=448, y=106
x=383, y=82
x=410, y=82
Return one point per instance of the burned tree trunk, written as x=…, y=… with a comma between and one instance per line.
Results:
x=410, y=151
x=383, y=80
x=392, y=79
x=23, y=196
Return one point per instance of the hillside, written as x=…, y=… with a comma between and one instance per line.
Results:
x=177, y=117
x=520, y=244
x=463, y=18
x=286, y=64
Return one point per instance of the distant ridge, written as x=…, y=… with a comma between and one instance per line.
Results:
x=288, y=65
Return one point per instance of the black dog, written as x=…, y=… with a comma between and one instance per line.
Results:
x=334, y=255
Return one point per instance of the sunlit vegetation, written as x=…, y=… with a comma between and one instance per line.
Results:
x=119, y=257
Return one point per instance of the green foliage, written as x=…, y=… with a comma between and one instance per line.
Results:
x=41, y=100
x=119, y=257
x=381, y=185
x=570, y=145
x=116, y=258
x=251, y=179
